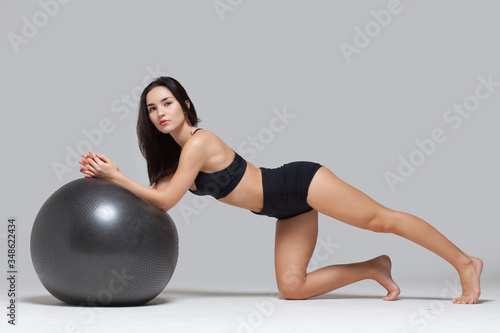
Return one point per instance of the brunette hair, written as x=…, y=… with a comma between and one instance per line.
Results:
x=160, y=150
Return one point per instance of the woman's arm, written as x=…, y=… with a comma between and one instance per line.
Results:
x=192, y=157
x=162, y=183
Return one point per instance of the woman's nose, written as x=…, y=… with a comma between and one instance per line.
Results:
x=161, y=111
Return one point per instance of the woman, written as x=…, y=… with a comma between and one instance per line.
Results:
x=182, y=157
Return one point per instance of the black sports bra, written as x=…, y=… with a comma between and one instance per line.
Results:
x=220, y=183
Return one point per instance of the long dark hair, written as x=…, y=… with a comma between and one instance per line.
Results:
x=160, y=150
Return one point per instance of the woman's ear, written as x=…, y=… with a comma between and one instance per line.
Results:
x=188, y=104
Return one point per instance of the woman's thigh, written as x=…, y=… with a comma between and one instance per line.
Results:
x=331, y=196
x=294, y=246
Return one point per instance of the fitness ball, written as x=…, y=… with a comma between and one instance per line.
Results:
x=94, y=243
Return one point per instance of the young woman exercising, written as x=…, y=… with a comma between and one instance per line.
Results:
x=182, y=157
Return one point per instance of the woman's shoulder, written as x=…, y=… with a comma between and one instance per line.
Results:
x=207, y=146
x=203, y=138
x=203, y=141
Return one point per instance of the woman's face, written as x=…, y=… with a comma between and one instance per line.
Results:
x=165, y=112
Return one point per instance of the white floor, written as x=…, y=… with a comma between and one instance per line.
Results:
x=422, y=307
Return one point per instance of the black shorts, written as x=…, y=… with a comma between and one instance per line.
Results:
x=285, y=189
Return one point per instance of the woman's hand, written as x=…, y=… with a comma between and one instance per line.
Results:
x=99, y=166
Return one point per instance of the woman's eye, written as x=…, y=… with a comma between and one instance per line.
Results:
x=151, y=110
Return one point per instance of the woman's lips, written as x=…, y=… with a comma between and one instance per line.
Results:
x=163, y=122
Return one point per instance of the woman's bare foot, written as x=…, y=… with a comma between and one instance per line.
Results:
x=382, y=274
x=470, y=277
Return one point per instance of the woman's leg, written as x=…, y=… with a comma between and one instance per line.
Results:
x=333, y=197
x=294, y=246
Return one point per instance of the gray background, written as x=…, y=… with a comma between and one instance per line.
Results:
x=89, y=59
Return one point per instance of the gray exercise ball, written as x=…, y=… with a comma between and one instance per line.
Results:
x=95, y=243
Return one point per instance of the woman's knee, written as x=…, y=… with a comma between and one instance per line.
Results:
x=291, y=287
x=290, y=293
x=384, y=221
